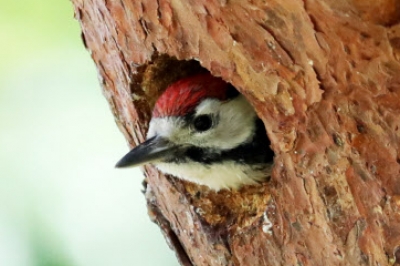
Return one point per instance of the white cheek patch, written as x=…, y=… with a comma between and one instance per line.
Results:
x=235, y=123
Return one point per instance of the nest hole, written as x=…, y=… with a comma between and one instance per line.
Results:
x=154, y=78
x=162, y=71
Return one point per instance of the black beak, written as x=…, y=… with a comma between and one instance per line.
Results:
x=153, y=149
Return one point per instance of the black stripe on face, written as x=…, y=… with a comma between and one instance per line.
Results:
x=257, y=151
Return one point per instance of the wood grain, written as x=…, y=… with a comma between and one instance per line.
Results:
x=324, y=76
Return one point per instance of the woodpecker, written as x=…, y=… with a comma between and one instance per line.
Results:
x=204, y=131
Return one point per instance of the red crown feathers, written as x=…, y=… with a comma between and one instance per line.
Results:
x=183, y=96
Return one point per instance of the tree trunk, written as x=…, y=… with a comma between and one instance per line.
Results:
x=323, y=75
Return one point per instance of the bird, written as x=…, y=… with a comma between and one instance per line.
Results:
x=204, y=131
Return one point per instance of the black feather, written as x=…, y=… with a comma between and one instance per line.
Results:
x=255, y=152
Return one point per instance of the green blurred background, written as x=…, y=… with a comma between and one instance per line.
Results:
x=61, y=200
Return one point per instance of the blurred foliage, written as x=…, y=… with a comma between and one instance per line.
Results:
x=61, y=201
x=30, y=26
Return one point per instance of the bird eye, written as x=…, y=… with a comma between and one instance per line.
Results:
x=202, y=123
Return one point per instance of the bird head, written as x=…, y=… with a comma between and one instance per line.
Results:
x=201, y=127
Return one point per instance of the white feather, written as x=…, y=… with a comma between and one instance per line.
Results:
x=216, y=176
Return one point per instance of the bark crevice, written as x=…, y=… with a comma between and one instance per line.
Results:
x=324, y=78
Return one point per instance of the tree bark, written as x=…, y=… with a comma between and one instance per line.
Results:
x=323, y=75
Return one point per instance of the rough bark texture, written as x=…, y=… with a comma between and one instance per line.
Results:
x=324, y=76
